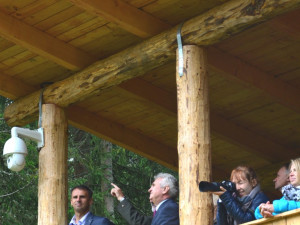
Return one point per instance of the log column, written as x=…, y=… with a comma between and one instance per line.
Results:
x=53, y=197
x=193, y=138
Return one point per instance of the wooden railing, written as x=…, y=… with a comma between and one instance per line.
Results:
x=288, y=218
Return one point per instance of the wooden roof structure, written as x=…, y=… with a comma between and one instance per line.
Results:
x=112, y=65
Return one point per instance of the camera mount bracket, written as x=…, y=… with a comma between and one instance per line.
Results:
x=35, y=135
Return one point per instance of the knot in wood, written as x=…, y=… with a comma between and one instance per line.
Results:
x=253, y=8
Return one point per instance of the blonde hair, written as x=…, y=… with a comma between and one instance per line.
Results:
x=296, y=163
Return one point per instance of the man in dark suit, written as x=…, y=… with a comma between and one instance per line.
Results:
x=163, y=192
x=81, y=200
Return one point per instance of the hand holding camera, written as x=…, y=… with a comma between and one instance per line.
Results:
x=223, y=186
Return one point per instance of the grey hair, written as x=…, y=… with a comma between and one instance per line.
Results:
x=168, y=180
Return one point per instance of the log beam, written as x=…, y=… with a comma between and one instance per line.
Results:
x=221, y=127
x=209, y=28
x=126, y=16
x=194, y=153
x=103, y=128
x=122, y=136
x=53, y=178
x=225, y=129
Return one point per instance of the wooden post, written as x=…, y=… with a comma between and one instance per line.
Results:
x=193, y=138
x=52, y=202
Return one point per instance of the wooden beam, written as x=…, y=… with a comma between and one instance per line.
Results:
x=130, y=140
x=234, y=68
x=43, y=44
x=251, y=141
x=221, y=127
x=13, y=88
x=116, y=133
x=53, y=172
x=225, y=129
x=194, y=147
x=126, y=16
x=122, y=136
x=167, y=102
x=140, y=88
x=206, y=29
x=284, y=25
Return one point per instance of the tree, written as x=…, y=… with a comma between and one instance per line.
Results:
x=18, y=191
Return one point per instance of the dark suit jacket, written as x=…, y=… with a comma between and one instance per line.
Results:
x=96, y=220
x=167, y=214
x=132, y=215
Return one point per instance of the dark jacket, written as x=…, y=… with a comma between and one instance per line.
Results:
x=96, y=220
x=230, y=209
x=132, y=215
x=167, y=214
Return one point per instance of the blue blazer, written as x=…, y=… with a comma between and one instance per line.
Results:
x=167, y=214
x=96, y=220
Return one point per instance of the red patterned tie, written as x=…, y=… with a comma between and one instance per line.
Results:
x=154, y=212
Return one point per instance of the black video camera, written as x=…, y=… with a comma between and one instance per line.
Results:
x=205, y=186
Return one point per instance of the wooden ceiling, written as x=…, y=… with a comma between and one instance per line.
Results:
x=116, y=78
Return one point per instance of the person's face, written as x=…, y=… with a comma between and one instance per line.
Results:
x=282, y=178
x=243, y=186
x=157, y=192
x=80, y=201
x=294, y=178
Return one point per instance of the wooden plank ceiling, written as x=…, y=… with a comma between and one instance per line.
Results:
x=254, y=76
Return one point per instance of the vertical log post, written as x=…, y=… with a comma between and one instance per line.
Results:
x=193, y=138
x=53, y=197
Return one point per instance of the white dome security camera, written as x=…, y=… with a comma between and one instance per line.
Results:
x=15, y=152
x=15, y=149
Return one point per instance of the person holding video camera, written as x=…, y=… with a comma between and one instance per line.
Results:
x=237, y=205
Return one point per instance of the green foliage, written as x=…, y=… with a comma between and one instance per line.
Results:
x=85, y=165
x=18, y=191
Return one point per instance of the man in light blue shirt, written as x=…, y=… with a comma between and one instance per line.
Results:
x=81, y=200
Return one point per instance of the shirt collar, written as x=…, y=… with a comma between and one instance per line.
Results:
x=80, y=222
x=156, y=208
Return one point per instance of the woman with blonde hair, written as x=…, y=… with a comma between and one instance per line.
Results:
x=290, y=192
x=238, y=207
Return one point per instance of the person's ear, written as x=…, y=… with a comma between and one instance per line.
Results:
x=91, y=201
x=166, y=189
x=254, y=182
x=71, y=200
